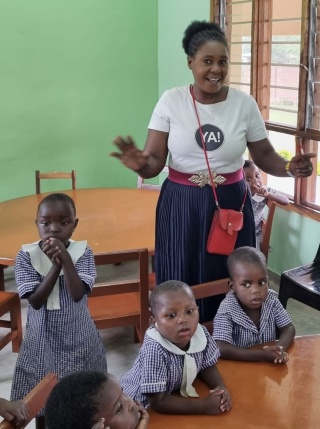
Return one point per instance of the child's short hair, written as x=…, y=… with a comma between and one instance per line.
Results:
x=247, y=255
x=168, y=286
x=73, y=401
x=248, y=163
x=64, y=198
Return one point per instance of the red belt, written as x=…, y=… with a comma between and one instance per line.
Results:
x=202, y=178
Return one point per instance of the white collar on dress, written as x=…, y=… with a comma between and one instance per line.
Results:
x=198, y=343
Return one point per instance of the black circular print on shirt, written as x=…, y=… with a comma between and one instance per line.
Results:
x=213, y=137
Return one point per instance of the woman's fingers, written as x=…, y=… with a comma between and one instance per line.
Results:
x=116, y=154
x=124, y=144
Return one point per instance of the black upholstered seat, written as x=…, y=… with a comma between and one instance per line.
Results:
x=302, y=284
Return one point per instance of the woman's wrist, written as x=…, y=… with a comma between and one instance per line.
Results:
x=287, y=168
x=143, y=169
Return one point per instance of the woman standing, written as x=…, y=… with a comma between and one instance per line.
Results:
x=230, y=122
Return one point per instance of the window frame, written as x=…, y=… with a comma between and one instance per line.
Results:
x=220, y=11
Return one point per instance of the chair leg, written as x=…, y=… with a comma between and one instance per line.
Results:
x=136, y=332
x=40, y=422
x=16, y=325
x=283, y=298
x=2, y=288
x=284, y=291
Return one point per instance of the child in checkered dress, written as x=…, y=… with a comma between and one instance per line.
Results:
x=175, y=351
x=260, y=195
x=55, y=274
x=251, y=314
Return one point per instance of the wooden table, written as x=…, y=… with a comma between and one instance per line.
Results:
x=109, y=219
x=264, y=395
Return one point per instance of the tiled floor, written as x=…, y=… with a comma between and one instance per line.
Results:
x=121, y=351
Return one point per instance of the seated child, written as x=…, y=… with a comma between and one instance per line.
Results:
x=260, y=195
x=92, y=399
x=251, y=314
x=15, y=412
x=175, y=351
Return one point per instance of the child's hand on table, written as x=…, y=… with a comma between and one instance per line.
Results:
x=277, y=354
x=218, y=401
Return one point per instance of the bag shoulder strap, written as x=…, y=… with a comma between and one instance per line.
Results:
x=206, y=157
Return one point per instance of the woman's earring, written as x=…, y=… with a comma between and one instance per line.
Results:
x=156, y=325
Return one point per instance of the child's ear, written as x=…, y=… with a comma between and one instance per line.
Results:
x=230, y=284
x=152, y=319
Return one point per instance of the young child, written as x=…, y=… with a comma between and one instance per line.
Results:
x=55, y=274
x=251, y=314
x=92, y=399
x=174, y=352
x=260, y=195
x=15, y=412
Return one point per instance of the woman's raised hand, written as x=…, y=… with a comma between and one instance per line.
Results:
x=301, y=165
x=129, y=154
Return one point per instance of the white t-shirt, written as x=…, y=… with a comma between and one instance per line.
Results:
x=227, y=127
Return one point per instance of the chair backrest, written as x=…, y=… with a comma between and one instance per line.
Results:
x=54, y=175
x=205, y=290
x=122, y=287
x=266, y=229
x=142, y=185
x=36, y=399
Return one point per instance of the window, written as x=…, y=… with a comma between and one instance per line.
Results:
x=275, y=56
x=239, y=21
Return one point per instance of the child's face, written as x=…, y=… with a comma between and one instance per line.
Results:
x=56, y=219
x=117, y=409
x=253, y=177
x=177, y=317
x=250, y=284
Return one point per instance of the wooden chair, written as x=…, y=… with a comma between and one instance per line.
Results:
x=10, y=303
x=142, y=185
x=266, y=229
x=54, y=175
x=36, y=399
x=125, y=302
x=205, y=290
x=302, y=284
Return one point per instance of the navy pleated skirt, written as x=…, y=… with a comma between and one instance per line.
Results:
x=183, y=220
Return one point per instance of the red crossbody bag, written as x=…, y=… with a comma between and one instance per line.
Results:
x=226, y=223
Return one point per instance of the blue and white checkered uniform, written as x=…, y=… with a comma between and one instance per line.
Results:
x=231, y=324
x=156, y=369
x=59, y=341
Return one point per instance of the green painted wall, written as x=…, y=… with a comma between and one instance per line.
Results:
x=295, y=240
x=174, y=17
x=74, y=74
